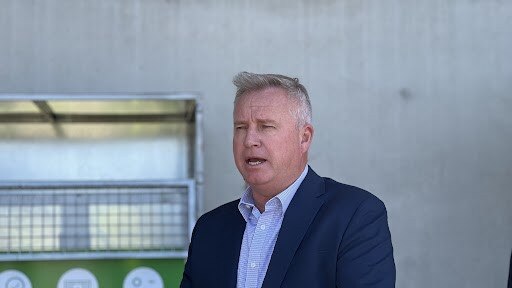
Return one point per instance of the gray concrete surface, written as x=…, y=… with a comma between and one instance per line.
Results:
x=412, y=100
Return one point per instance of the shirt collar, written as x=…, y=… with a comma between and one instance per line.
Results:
x=246, y=204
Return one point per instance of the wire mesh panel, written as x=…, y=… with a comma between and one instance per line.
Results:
x=99, y=219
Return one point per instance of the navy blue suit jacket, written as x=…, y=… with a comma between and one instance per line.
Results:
x=332, y=235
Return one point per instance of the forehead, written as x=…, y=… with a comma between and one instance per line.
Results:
x=268, y=99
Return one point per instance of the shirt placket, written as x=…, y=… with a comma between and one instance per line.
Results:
x=257, y=247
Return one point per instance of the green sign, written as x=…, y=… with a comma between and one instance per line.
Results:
x=134, y=273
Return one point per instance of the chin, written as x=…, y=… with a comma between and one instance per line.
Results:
x=256, y=180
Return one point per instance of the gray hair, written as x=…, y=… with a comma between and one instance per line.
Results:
x=248, y=82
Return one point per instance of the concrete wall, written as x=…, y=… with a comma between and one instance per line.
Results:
x=412, y=100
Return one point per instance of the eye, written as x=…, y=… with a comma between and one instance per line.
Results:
x=266, y=126
x=240, y=127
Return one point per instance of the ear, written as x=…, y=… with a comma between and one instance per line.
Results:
x=306, y=137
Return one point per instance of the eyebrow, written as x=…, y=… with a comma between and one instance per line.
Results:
x=270, y=121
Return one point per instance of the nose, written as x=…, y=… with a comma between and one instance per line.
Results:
x=252, y=138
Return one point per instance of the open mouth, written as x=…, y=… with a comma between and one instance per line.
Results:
x=255, y=161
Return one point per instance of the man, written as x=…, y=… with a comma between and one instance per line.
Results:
x=510, y=272
x=291, y=227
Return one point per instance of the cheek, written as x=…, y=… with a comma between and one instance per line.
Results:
x=292, y=140
x=286, y=147
x=237, y=152
x=237, y=142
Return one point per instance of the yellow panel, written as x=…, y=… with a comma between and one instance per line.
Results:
x=119, y=107
x=18, y=107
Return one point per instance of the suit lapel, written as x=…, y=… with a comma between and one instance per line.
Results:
x=232, y=244
x=298, y=217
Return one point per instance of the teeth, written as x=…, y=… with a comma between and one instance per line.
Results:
x=254, y=162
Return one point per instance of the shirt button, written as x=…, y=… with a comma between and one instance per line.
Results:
x=263, y=227
x=253, y=265
x=247, y=206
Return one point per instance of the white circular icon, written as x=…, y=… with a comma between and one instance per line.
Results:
x=143, y=277
x=14, y=279
x=77, y=278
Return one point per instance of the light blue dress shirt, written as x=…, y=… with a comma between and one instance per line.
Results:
x=261, y=232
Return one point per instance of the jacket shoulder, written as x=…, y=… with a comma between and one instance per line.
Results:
x=345, y=194
x=221, y=213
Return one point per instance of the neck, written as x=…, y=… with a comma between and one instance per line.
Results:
x=260, y=201
x=261, y=195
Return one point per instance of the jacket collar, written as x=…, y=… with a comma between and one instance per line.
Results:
x=299, y=215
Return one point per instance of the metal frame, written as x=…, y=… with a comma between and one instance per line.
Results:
x=193, y=114
x=99, y=96
x=198, y=115
x=48, y=115
x=59, y=255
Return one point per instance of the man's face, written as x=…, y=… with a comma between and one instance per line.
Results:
x=269, y=148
